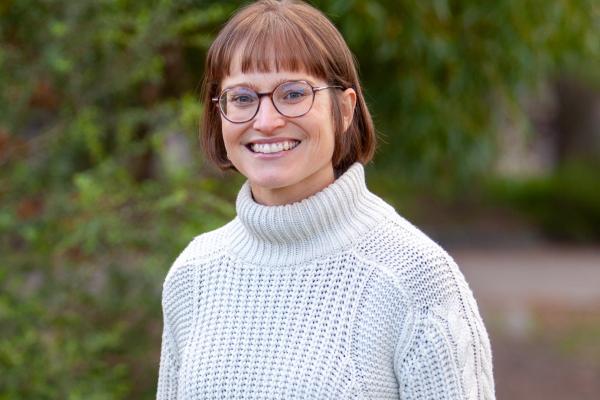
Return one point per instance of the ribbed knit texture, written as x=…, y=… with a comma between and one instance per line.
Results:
x=333, y=297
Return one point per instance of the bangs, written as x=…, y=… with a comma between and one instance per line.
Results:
x=271, y=42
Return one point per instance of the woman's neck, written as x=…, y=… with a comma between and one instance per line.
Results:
x=293, y=193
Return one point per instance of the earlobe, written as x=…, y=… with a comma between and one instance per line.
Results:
x=348, y=106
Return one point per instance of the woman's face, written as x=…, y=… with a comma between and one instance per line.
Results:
x=291, y=175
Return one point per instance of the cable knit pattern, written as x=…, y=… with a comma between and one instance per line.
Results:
x=333, y=297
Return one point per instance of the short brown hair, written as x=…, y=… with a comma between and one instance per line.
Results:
x=290, y=35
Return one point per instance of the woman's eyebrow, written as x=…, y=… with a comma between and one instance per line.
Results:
x=274, y=85
x=244, y=84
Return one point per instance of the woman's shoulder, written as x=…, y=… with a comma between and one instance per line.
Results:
x=199, y=249
x=422, y=267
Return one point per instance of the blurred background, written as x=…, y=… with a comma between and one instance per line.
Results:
x=489, y=120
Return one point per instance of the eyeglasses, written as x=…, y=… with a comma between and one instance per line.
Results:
x=291, y=99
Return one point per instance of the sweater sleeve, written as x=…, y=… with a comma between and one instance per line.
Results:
x=448, y=353
x=179, y=290
x=169, y=364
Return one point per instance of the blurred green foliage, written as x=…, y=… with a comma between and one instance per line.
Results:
x=437, y=71
x=566, y=205
x=101, y=182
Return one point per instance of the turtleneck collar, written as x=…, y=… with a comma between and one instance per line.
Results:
x=319, y=224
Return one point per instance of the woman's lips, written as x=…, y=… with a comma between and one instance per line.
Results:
x=277, y=139
x=277, y=154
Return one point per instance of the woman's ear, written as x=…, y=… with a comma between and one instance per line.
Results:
x=347, y=105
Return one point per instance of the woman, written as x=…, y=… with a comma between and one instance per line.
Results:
x=317, y=289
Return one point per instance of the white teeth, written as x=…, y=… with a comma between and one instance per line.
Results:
x=274, y=147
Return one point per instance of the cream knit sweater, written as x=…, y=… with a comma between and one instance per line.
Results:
x=333, y=297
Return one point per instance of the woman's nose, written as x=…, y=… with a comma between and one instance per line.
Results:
x=268, y=118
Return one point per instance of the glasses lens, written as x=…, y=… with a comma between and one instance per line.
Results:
x=293, y=99
x=239, y=104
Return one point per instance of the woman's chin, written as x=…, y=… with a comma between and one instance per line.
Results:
x=268, y=183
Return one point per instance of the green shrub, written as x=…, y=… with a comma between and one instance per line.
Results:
x=566, y=204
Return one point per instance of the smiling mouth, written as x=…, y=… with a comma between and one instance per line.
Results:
x=269, y=148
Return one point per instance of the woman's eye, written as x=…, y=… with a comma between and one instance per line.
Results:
x=242, y=100
x=294, y=95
